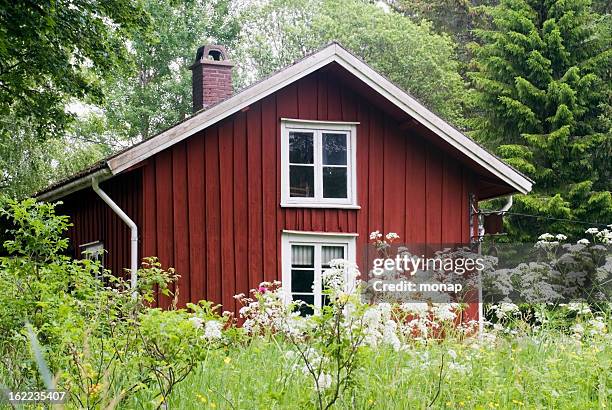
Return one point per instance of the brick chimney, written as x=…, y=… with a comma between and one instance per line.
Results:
x=211, y=76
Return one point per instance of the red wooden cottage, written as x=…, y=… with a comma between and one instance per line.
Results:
x=274, y=181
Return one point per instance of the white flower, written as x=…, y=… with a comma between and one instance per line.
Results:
x=239, y=296
x=212, y=330
x=452, y=354
x=583, y=241
x=545, y=237
x=324, y=381
x=580, y=308
x=375, y=235
x=592, y=230
x=391, y=236
x=598, y=326
x=578, y=330
x=196, y=322
x=561, y=237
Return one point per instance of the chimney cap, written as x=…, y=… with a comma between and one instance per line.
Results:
x=211, y=54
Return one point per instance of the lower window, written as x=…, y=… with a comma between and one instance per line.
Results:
x=305, y=257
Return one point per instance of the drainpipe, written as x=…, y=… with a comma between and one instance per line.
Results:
x=133, y=229
x=506, y=207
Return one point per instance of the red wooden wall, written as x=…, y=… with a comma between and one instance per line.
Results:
x=93, y=220
x=211, y=202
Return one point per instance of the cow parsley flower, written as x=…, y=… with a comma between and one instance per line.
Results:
x=592, y=231
x=561, y=237
x=375, y=235
x=391, y=236
x=212, y=330
x=583, y=241
x=324, y=382
x=196, y=322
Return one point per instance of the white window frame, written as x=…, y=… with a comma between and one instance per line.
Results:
x=317, y=239
x=318, y=128
x=93, y=251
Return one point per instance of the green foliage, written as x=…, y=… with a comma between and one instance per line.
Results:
x=412, y=55
x=541, y=100
x=154, y=93
x=51, y=53
x=101, y=340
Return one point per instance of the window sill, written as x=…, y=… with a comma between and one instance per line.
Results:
x=319, y=206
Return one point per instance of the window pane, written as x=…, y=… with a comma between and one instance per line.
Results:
x=334, y=182
x=309, y=299
x=301, y=148
x=301, y=180
x=302, y=256
x=302, y=280
x=331, y=252
x=334, y=149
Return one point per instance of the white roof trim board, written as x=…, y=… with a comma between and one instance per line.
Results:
x=332, y=53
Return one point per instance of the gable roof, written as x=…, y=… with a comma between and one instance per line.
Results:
x=333, y=53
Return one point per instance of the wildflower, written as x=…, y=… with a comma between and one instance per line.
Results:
x=545, y=237
x=592, y=231
x=227, y=360
x=212, y=330
x=196, y=322
x=391, y=236
x=580, y=308
x=375, y=235
x=561, y=237
x=452, y=354
x=578, y=329
x=324, y=381
x=262, y=289
x=583, y=241
x=239, y=296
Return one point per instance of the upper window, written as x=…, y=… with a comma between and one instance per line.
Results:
x=93, y=251
x=318, y=164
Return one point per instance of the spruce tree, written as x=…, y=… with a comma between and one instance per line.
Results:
x=541, y=101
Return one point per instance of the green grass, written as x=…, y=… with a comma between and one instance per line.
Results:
x=548, y=372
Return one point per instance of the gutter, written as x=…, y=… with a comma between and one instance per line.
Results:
x=133, y=229
x=76, y=185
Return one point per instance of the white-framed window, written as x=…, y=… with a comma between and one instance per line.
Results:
x=93, y=251
x=318, y=160
x=305, y=256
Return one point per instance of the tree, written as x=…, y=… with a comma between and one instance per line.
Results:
x=541, y=78
x=412, y=55
x=51, y=52
x=155, y=93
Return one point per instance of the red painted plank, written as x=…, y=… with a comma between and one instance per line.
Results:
x=241, y=223
x=196, y=202
x=164, y=205
x=393, y=182
x=375, y=171
x=434, y=196
x=451, y=202
x=269, y=185
x=213, y=216
x=254, y=192
x=226, y=174
x=181, y=222
x=363, y=143
x=416, y=192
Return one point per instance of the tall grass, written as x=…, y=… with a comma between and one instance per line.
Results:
x=546, y=371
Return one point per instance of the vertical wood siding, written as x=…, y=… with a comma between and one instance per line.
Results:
x=211, y=203
x=93, y=220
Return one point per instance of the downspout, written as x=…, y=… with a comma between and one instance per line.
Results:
x=133, y=228
x=506, y=207
x=502, y=211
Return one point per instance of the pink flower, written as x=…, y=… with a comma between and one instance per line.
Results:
x=262, y=289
